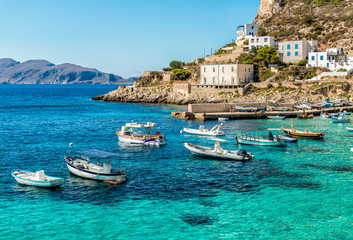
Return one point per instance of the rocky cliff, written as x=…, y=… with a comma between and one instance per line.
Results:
x=44, y=72
x=328, y=21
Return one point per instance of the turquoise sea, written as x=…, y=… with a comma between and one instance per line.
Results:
x=303, y=191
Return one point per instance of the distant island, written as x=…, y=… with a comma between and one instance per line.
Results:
x=44, y=72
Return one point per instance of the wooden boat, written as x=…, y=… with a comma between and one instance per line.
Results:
x=218, y=152
x=250, y=139
x=340, y=119
x=80, y=165
x=37, y=179
x=303, y=134
x=204, y=132
x=141, y=133
x=288, y=139
x=276, y=117
x=325, y=115
x=305, y=115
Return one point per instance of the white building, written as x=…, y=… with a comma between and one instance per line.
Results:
x=246, y=31
x=226, y=74
x=294, y=51
x=333, y=59
x=257, y=42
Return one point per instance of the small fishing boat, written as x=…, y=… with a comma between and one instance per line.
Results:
x=245, y=109
x=222, y=119
x=80, y=164
x=37, y=179
x=305, y=115
x=349, y=129
x=288, y=139
x=334, y=115
x=204, y=132
x=346, y=113
x=325, y=115
x=140, y=133
x=303, y=134
x=340, y=119
x=276, y=117
x=218, y=152
x=250, y=139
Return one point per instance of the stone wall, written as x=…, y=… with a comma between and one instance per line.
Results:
x=181, y=87
x=209, y=108
x=166, y=76
x=211, y=89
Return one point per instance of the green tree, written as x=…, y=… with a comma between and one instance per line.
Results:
x=267, y=55
x=181, y=74
x=175, y=64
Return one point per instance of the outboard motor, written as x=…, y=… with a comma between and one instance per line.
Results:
x=242, y=152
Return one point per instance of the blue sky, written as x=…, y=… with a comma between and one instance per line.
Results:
x=120, y=37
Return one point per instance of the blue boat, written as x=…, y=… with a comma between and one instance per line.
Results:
x=250, y=139
x=288, y=139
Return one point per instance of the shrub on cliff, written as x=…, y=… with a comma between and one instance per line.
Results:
x=175, y=64
x=180, y=74
x=267, y=55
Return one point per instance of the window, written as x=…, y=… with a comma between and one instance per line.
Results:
x=222, y=69
x=204, y=80
x=252, y=27
x=252, y=40
x=296, y=53
x=249, y=69
x=312, y=58
x=214, y=80
x=240, y=80
x=266, y=40
x=333, y=57
x=288, y=46
x=329, y=58
x=214, y=69
x=232, y=80
x=288, y=54
x=222, y=80
x=282, y=47
x=296, y=46
x=321, y=57
x=232, y=69
x=245, y=69
x=204, y=69
x=257, y=40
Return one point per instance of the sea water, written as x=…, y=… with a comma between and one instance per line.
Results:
x=302, y=191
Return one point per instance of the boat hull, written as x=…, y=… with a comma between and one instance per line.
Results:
x=92, y=175
x=262, y=142
x=288, y=139
x=302, y=134
x=210, y=153
x=154, y=141
x=335, y=120
x=197, y=132
x=45, y=184
x=276, y=117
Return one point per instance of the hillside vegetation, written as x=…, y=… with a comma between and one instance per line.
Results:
x=328, y=21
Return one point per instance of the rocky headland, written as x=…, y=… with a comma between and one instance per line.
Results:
x=44, y=72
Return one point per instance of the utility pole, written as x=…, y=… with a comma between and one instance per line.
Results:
x=211, y=52
x=204, y=53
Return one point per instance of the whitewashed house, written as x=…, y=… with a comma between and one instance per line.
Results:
x=257, y=42
x=333, y=59
x=226, y=74
x=294, y=51
x=246, y=31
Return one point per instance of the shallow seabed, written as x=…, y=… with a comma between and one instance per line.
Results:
x=302, y=191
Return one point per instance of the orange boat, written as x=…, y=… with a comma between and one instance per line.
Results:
x=303, y=134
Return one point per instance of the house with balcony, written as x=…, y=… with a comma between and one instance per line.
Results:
x=332, y=58
x=245, y=32
x=294, y=51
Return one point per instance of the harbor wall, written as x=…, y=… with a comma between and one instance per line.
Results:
x=210, y=108
x=181, y=87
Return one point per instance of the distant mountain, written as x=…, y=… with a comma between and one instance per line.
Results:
x=44, y=72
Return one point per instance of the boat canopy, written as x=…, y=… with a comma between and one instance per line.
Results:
x=96, y=153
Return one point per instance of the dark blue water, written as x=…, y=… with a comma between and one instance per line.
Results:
x=302, y=191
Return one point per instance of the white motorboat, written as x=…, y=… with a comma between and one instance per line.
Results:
x=218, y=152
x=222, y=119
x=204, y=132
x=37, y=179
x=80, y=165
x=349, y=129
x=140, y=133
x=340, y=119
x=277, y=117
